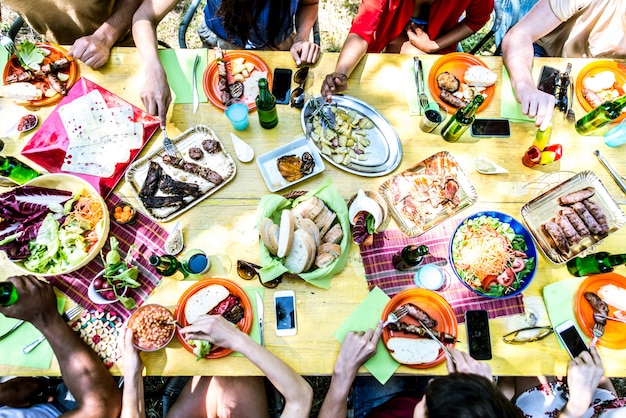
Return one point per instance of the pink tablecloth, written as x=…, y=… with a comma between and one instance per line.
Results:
x=148, y=238
x=380, y=272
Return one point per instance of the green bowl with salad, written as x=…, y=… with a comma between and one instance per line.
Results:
x=493, y=255
x=57, y=223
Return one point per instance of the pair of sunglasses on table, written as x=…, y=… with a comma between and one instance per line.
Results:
x=297, y=95
x=248, y=271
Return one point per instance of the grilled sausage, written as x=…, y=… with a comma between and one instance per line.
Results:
x=556, y=236
x=590, y=221
x=451, y=99
x=592, y=98
x=421, y=332
x=570, y=232
x=599, y=307
x=597, y=212
x=56, y=84
x=420, y=315
x=577, y=196
x=576, y=222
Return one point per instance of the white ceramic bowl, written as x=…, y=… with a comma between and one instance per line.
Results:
x=96, y=297
x=72, y=183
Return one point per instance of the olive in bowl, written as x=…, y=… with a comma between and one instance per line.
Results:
x=123, y=213
x=153, y=327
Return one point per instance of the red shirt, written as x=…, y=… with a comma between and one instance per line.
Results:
x=398, y=407
x=379, y=22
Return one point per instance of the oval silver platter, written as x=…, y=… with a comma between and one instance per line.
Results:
x=385, y=149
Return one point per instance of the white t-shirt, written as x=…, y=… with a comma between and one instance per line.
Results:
x=44, y=410
x=590, y=29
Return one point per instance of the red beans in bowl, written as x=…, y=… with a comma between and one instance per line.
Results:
x=151, y=330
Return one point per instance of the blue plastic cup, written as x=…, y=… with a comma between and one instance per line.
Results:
x=616, y=136
x=237, y=113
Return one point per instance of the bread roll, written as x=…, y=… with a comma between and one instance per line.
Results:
x=613, y=295
x=22, y=92
x=300, y=254
x=479, y=76
x=203, y=301
x=285, y=237
x=413, y=350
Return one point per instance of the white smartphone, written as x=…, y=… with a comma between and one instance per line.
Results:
x=285, y=310
x=571, y=338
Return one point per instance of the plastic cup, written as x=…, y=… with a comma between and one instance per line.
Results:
x=195, y=262
x=616, y=136
x=237, y=113
x=430, y=277
x=434, y=114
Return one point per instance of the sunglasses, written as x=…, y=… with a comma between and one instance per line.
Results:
x=527, y=335
x=249, y=271
x=297, y=95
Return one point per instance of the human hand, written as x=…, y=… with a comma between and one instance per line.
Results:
x=305, y=52
x=356, y=349
x=36, y=301
x=155, y=93
x=214, y=329
x=536, y=104
x=419, y=39
x=583, y=376
x=334, y=83
x=133, y=365
x=467, y=364
x=93, y=50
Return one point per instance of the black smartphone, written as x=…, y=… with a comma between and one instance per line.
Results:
x=479, y=340
x=482, y=128
x=281, y=85
x=548, y=79
x=570, y=337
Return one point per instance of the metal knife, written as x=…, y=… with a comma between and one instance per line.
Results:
x=13, y=328
x=259, y=310
x=194, y=84
x=443, y=347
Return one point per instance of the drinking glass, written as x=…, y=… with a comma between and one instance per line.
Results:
x=237, y=113
x=195, y=262
x=434, y=114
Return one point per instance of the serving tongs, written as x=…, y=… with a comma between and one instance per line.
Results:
x=611, y=171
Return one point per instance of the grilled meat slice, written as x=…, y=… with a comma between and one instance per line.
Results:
x=155, y=202
x=170, y=186
x=290, y=167
x=193, y=168
x=419, y=314
x=151, y=185
x=212, y=146
x=421, y=332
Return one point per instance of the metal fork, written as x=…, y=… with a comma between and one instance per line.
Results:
x=570, y=116
x=170, y=149
x=8, y=44
x=67, y=316
x=422, y=93
x=396, y=315
x=611, y=318
x=598, y=331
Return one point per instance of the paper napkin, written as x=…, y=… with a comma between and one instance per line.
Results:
x=408, y=74
x=559, y=299
x=366, y=315
x=178, y=65
x=510, y=108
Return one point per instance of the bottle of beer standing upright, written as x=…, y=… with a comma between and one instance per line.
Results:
x=461, y=120
x=266, y=106
x=410, y=256
x=600, y=116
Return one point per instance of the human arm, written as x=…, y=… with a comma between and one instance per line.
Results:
x=355, y=350
x=303, y=50
x=517, y=51
x=583, y=376
x=422, y=43
x=94, y=49
x=297, y=392
x=133, y=403
x=155, y=93
x=354, y=48
x=83, y=372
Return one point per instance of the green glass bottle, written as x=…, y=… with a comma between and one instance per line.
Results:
x=600, y=116
x=165, y=265
x=16, y=170
x=409, y=257
x=266, y=106
x=461, y=120
x=8, y=294
x=602, y=262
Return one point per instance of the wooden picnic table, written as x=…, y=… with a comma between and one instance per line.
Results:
x=225, y=223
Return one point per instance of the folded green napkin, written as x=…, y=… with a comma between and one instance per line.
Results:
x=272, y=205
x=178, y=65
x=255, y=333
x=510, y=108
x=382, y=366
x=11, y=346
x=408, y=74
x=559, y=298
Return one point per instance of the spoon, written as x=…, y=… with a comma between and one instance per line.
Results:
x=243, y=151
x=486, y=166
x=174, y=243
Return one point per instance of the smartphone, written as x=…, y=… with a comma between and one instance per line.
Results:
x=479, y=340
x=571, y=338
x=285, y=309
x=281, y=87
x=483, y=128
x=547, y=79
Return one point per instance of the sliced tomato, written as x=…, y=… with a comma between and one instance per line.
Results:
x=488, y=281
x=507, y=277
x=518, y=265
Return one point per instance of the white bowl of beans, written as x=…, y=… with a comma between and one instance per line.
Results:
x=153, y=327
